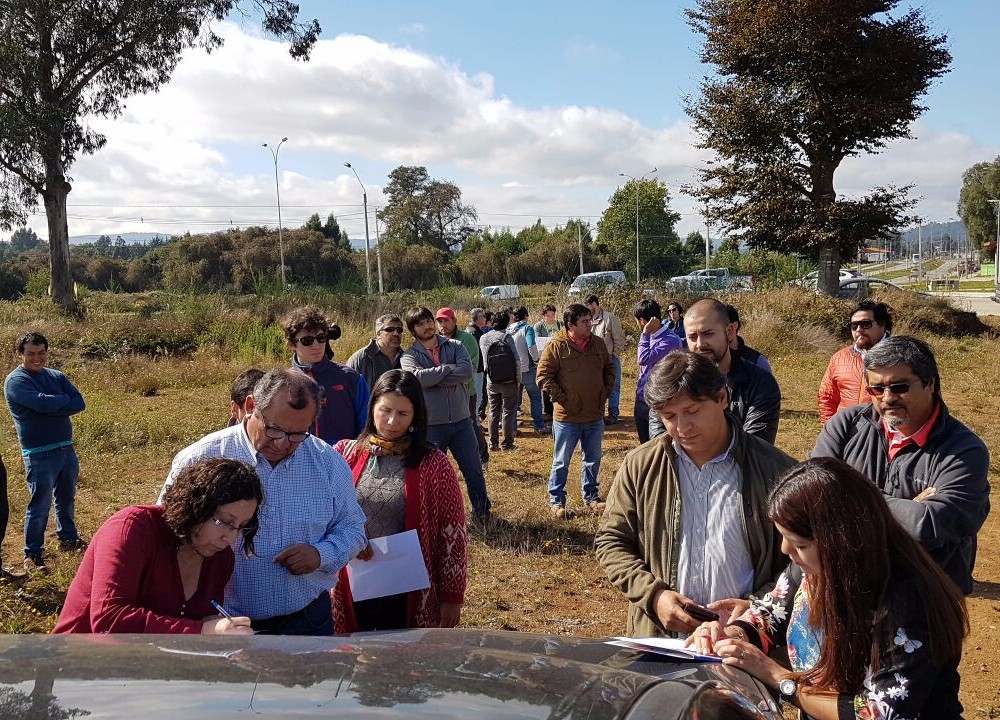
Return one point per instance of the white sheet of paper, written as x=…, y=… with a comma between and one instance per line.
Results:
x=668, y=647
x=397, y=567
x=541, y=342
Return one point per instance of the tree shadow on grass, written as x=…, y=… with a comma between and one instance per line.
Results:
x=533, y=537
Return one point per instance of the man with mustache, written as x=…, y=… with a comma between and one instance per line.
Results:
x=931, y=468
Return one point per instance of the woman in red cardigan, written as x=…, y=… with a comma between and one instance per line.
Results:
x=158, y=568
x=405, y=483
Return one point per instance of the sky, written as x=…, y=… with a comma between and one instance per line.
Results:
x=532, y=109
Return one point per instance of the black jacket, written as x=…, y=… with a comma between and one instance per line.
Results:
x=754, y=398
x=954, y=460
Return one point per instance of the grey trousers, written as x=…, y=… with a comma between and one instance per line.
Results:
x=503, y=411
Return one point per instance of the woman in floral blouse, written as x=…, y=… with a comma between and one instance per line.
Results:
x=873, y=627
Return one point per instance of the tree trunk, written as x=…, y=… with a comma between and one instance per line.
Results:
x=828, y=279
x=61, y=279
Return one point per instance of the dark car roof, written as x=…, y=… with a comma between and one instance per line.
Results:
x=430, y=673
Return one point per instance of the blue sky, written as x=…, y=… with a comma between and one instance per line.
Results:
x=532, y=108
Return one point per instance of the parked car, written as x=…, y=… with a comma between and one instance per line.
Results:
x=810, y=279
x=415, y=673
x=710, y=279
x=860, y=288
x=500, y=292
x=593, y=281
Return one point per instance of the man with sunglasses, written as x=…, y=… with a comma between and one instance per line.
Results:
x=344, y=407
x=382, y=354
x=843, y=382
x=931, y=468
x=310, y=522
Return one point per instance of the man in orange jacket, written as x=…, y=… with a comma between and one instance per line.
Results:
x=843, y=383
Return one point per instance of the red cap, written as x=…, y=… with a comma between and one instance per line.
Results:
x=445, y=312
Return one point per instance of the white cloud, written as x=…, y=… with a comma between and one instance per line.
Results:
x=196, y=144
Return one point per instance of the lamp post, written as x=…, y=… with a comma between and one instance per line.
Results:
x=277, y=193
x=637, y=217
x=996, y=259
x=364, y=200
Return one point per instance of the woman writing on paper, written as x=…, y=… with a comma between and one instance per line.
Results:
x=873, y=626
x=405, y=483
x=157, y=568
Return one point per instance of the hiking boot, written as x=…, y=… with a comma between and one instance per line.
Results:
x=595, y=506
x=558, y=512
x=611, y=420
x=35, y=566
x=78, y=545
x=494, y=448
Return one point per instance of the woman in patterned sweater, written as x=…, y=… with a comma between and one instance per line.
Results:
x=873, y=627
x=404, y=483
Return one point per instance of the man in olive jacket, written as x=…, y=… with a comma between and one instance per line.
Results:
x=686, y=518
x=577, y=372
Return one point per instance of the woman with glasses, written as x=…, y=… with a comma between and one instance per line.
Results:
x=404, y=483
x=675, y=321
x=872, y=625
x=158, y=568
x=345, y=391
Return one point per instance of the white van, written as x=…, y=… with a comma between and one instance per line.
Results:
x=588, y=282
x=500, y=292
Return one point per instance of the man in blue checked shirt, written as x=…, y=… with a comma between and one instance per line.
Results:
x=310, y=523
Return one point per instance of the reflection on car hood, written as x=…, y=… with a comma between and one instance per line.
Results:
x=431, y=673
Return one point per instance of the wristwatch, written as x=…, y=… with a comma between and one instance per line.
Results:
x=788, y=688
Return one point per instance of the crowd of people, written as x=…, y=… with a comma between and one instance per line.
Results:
x=855, y=561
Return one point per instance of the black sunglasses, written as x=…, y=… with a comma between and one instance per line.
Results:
x=673, y=309
x=392, y=330
x=308, y=340
x=897, y=389
x=862, y=325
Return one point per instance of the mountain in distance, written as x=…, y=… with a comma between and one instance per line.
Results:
x=130, y=238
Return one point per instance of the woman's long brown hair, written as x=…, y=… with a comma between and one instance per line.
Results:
x=858, y=540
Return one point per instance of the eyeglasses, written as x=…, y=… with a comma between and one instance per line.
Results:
x=862, y=324
x=278, y=434
x=308, y=340
x=896, y=388
x=397, y=330
x=246, y=530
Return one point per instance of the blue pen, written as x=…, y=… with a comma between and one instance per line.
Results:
x=222, y=611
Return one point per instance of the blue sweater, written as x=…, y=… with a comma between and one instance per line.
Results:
x=344, y=410
x=41, y=404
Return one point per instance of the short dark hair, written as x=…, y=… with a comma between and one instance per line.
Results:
x=244, y=384
x=647, y=308
x=201, y=487
x=304, y=318
x=489, y=317
x=521, y=313
x=734, y=316
x=405, y=384
x=301, y=389
x=879, y=310
x=549, y=307
x=574, y=312
x=906, y=350
x=679, y=372
x=30, y=338
x=416, y=315
x=592, y=298
x=500, y=322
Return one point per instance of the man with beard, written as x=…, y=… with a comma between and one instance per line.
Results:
x=843, y=382
x=443, y=367
x=755, y=398
x=931, y=468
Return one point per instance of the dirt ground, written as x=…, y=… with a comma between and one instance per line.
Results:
x=531, y=573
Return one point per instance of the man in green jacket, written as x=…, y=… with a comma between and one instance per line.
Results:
x=686, y=520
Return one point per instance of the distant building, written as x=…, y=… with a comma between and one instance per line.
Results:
x=875, y=255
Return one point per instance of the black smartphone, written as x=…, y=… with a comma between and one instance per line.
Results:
x=699, y=612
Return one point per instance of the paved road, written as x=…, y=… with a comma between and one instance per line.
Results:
x=980, y=303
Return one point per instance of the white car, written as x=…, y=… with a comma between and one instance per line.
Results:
x=590, y=282
x=809, y=280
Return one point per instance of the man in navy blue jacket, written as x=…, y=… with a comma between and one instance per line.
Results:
x=41, y=401
x=344, y=406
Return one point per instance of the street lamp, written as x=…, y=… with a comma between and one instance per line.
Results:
x=637, y=217
x=277, y=192
x=996, y=260
x=364, y=199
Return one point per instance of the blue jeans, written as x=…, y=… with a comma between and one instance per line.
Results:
x=315, y=619
x=565, y=437
x=460, y=438
x=534, y=397
x=614, y=402
x=50, y=473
